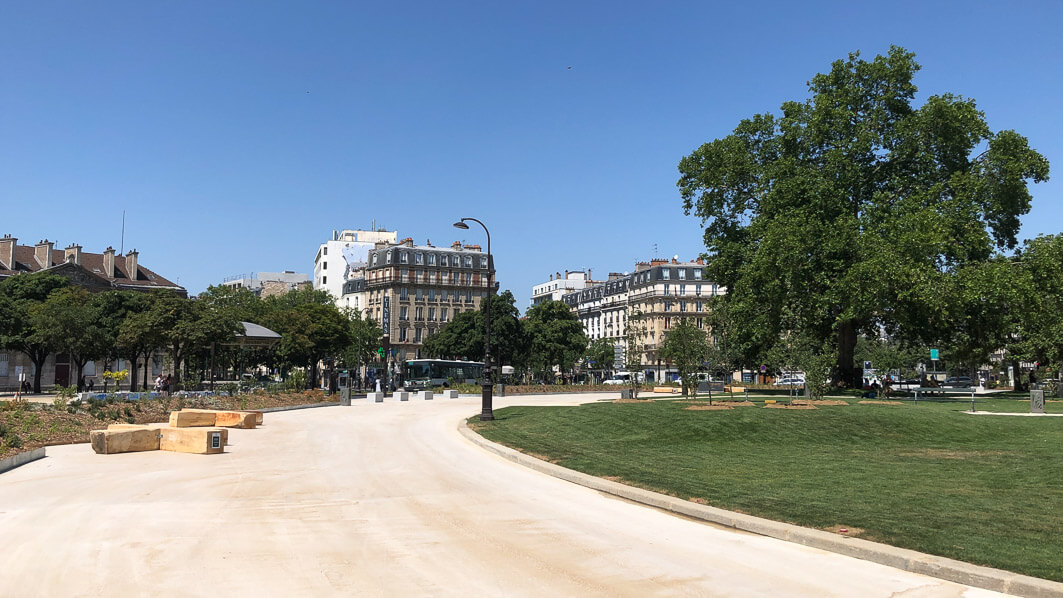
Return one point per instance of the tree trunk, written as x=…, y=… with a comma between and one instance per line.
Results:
x=132, y=375
x=38, y=360
x=846, y=351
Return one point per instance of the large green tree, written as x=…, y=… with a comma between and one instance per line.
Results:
x=851, y=210
x=20, y=330
x=557, y=337
x=463, y=337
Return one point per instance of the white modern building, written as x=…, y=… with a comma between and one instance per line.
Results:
x=344, y=257
x=557, y=286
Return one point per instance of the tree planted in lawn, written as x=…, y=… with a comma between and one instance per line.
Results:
x=854, y=208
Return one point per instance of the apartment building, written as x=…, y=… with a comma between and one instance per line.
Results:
x=659, y=292
x=413, y=290
x=344, y=256
x=267, y=284
x=557, y=286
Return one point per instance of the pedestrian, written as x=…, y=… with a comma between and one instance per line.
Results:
x=92, y=383
x=158, y=384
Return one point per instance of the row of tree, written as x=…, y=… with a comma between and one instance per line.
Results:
x=43, y=314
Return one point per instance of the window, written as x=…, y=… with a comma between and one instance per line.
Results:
x=697, y=274
x=3, y=365
x=667, y=323
x=324, y=265
x=682, y=288
x=667, y=306
x=667, y=288
x=324, y=280
x=404, y=257
x=420, y=294
x=468, y=278
x=402, y=334
x=682, y=274
x=389, y=257
x=443, y=277
x=404, y=313
x=442, y=314
x=90, y=368
x=431, y=314
x=431, y=259
x=697, y=306
x=468, y=296
x=417, y=335
x=483, y=262
x=682, y=306
x=419, y=259
x=324, y=250
x=666, y=273
x=443, y=260
x=404, y=293
x=431, y=294
x=468, y=261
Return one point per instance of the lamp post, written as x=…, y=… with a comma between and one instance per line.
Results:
x=486, y=413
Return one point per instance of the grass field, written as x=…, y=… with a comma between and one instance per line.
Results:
x=982, y=489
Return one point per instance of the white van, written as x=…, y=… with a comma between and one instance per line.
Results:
x=620, y=378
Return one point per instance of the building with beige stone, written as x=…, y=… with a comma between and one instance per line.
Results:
x=659, y=293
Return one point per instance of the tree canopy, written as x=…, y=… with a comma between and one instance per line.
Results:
x=850, y=211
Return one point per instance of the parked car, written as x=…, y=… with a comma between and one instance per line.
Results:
x=958, y=381
x=790, y=382
x=621, y=378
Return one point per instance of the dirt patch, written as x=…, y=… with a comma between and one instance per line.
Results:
x=795, y=407
x=822, y=402
x=947, y=454
x=707, y=407
x=881, y=403
x=632, y=401
x=845, y=530
x=737, y=403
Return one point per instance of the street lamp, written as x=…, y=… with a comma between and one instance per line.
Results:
x=486, y=413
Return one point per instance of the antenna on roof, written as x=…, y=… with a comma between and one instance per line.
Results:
x=122, y=250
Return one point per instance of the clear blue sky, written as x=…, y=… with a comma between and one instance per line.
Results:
x=238, y=135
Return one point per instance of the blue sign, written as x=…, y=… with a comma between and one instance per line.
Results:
x=933, y=355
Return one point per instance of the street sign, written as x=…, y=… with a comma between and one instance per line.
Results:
x=933, y=354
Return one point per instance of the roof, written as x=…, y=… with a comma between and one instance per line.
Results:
x=255, y=336
x=143, y=278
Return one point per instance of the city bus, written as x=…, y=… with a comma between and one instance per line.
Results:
x=428, y=373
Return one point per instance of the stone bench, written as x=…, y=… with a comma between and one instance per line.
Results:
x=202, y=441
x=124, y=440
x=221, y=419
x=666, y=389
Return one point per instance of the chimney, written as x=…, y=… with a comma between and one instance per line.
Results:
x=557, y=275
x=131, y=264
x=675, y=260
x=566, y=274
x=456, y=245
x=700, y=261
x=73, y=253
x=108, y=262
x=42, y=252
x=551, y=278
x=7, y=251
x=589, y=274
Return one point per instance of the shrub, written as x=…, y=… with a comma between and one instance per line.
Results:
x=14, y=441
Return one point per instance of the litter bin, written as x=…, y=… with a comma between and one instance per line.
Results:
x=626, y=393
x=500, y=390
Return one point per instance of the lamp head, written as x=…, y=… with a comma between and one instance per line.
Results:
x=461, y=224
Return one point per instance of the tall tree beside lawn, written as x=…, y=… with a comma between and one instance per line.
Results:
x=854, y=208
x=1039, y=334
x=17, y=331
x=685, y=347
x=67, y=322
x=557, y=337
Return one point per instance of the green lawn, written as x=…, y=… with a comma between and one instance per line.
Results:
x=982, y=489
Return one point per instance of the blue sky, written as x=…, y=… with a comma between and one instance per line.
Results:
x=237, y=135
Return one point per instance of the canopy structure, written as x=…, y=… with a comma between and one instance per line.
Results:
x=255, y=336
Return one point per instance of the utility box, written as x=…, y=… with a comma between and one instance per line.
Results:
x=345, y=388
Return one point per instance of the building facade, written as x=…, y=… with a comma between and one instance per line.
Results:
x=556, y=287
x=659, y=293
x=341, y=258
x=95, y=272
x=411, y=291
x=267, y=284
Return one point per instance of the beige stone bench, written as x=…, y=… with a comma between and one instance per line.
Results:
x=666, y=389
x=203, y=441
x=191, y=418
x=124, y=440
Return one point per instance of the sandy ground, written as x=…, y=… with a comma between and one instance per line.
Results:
x=383, y=499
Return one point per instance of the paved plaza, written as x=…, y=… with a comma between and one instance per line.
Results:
x=380, y=499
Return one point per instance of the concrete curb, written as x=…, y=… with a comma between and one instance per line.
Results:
x=295, y=407
x=900, y=558
x=21, y=459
